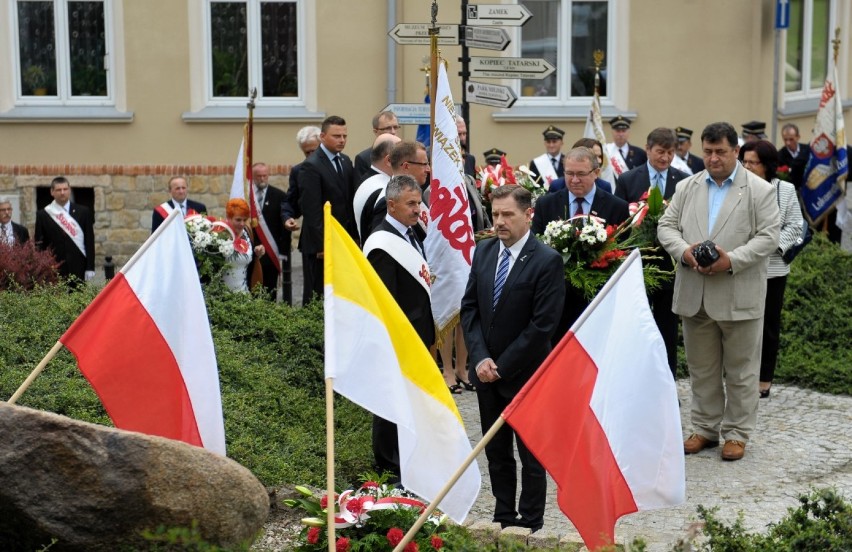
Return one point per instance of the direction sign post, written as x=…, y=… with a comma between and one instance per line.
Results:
x=418, y=33
x=510, y=68
x=494, y=95
x=510, y=15
x=410, y=113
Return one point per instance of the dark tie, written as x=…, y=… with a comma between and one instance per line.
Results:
x=413, y=239
x=337, y=165
x=555, y=163
x=502, y=273
x=4, y=237
x=579, y=211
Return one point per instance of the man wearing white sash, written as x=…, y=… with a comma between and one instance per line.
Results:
x=366, y=192
x=398, y=257
x=67, y=230
x=548, y=166
x=178, y=190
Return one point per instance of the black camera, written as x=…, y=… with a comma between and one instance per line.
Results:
x=705, y=253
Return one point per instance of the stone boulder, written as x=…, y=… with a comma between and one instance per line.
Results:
x=96, y=488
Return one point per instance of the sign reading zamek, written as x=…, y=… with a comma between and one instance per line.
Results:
x=418, y=33
x=494, y=95
x=511, y=15
x=510, y=68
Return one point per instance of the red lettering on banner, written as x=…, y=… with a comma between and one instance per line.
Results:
x=424, y=273
x=450, y=213
x=70, y=228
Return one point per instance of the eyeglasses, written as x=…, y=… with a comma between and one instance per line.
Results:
x=426, y=164
x=389, y=128
x=571, y=174
x=750, y=163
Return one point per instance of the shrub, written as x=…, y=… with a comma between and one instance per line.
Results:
x=23, y=266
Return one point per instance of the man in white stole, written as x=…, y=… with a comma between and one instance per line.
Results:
x=67, y=230
x=396, y=253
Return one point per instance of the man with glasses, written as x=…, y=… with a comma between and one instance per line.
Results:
x=631, y=186
x=11, y=233
x=385, y=122
x=721, y=304
x=579, y=197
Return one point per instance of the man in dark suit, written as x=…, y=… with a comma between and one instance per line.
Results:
x=178, y=190
x=659, y=173
x=629, y=155
x=308, y=140
x=327, y=175
x=684, y=143
x=11, y=233
x=384, y=122
x=67, y=229
x=581, y=197
x=508, y=314
x=397, y=255
x=549, y=165
x=269, y=200
x=794, y=154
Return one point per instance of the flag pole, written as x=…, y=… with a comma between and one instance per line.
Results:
x=328, y=307
x=433, y=65
x=247, y=173
x=58, y=345
x=449, y=485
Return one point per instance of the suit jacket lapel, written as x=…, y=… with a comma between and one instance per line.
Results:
x=671, y=184
x=732, y=199
x=702, y=206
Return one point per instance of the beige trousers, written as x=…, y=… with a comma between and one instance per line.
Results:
x=724, y=367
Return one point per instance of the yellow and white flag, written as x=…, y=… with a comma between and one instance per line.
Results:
x=378, y=361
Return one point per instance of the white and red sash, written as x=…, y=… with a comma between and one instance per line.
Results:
x=402, y=252
x=545, y=168
x=164, y=209
x=364, y=191
x=68, y=225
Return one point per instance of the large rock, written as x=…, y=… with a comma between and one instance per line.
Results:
x=96, y=488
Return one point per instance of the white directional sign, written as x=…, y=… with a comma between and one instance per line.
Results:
x=418, y=33
x=490, y=94
x=510, y=68
x=486, y=37
x=410, y=113
x=511, y=15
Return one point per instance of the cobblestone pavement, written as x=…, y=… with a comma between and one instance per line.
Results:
x=803, y=441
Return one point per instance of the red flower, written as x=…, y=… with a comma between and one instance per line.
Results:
x=313, y=535
x=324, y=501
x=411, y=547
x=370, y=485
x=342, y=545
x=394, y=536
x=436, y=542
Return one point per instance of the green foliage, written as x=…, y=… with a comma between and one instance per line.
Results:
x=270, y=360
x=183, y=538
x=823, y=521
x=817, y=320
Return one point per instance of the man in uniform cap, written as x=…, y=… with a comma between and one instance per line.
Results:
x=493, y=156
x=694, y=163
x=629, y=156
x=754, y=131
x=548, y=166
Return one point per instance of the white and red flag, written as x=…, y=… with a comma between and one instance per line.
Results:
x=594, y=130
x=449, y=240
x=145, y=346
x=604, y=420
x=241, y=185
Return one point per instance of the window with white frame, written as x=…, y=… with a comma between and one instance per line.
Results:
x=566, y=33
x=253, y=44
x=808, y=47
x=62, y=51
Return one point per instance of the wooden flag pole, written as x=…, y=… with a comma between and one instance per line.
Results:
x=58, y=345
x=433, y=65
x=329, y=453
x=446, y=489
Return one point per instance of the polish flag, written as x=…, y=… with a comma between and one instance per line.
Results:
x=144, y=344
x=601, y=413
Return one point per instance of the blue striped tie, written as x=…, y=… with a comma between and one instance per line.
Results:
x=502, y=273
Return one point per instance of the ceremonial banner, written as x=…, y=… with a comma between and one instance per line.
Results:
x=594, y=129
x=242, y=182
x=602, y=420
x=144, y=344
x=377, y=361
x=449, y=240
x=824, y=182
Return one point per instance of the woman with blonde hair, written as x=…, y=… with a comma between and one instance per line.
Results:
x=236, y=272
